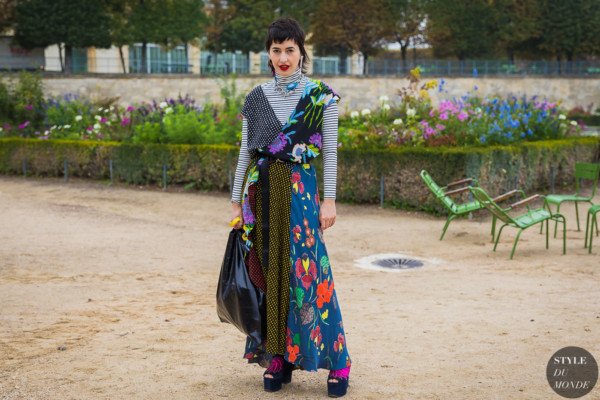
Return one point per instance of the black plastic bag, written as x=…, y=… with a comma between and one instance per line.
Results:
x=239, y=302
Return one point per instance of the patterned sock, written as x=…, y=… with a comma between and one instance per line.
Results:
x=276, y=364
x=343, y=373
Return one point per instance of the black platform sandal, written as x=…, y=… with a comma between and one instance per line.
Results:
x=278, y=376
x=339, y=388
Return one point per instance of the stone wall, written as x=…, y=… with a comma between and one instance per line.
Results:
x=356, y=92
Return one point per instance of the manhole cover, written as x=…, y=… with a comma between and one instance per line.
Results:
x=398, y=263
x=393, y=262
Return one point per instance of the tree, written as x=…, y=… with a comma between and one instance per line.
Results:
x=461, y=28
x=518, y=27
x=7, y=14
x=406, y=20
x=74, y=23
x=570, y=28
x=351, y=25
x=169, y=23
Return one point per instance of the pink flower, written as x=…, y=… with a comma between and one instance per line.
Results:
x=444, y=116
x=90, y=128
x=29, y=107
x=103, y=120
x=24, y=125
x=125, y=121
x=130, y=109
x=440, y=127
x=461, y=116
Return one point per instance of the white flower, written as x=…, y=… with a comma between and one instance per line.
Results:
x=562, y=116
x=478, y=110
x=168, y=110
x=386, y=107
x=411, y=112
x=297, y=151
x=107, y=123
x=96, y=126
x=78, y=118
x=45, y=132
x=384, y=98
x=112, y=108
x=162, y=104
x=98, y=118
x=106, y=111
x=365, y=112
x=354, y=114
x=574, y=123
x=67, y=126
x=397, y=121
x=1, y=129
x=100, y=109
x=53, y=127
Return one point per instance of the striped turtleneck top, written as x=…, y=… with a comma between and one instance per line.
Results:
x=283, y=101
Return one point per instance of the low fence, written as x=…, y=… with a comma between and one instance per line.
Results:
x=388, y=177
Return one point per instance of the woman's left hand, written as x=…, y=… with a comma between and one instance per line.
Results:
x=327, y=215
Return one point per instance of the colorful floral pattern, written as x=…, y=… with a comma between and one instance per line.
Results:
x=315, y=321
x=315, y=334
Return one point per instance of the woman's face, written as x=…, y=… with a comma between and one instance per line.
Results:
x=285, y=57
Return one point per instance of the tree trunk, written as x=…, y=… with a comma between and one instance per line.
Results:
x=343, y=56
x=365, y=69
x=144, y=66
x=187, y=59
x=122, y=59
x=403, y=51
x=60, y=57
x=68, y=58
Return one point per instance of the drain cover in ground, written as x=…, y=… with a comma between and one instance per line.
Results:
x=398, y=263
x=390, y=262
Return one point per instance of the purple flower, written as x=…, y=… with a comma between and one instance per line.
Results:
x=130, y=109
x=316, y=140
x=24, y=125
x=29, y=107
x=125, y=121
x=461, y=116
x=428, y=133
x=278, y=144
x=247, y=213
x=103, y=120
x=90, y=128
x=444, y=116
x=440, y=127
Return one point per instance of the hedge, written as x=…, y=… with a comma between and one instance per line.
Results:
x=532, y=166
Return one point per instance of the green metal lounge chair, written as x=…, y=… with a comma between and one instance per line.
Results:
x=523, y=221
x=456, y=210
x=589, y=225
x=583, y=171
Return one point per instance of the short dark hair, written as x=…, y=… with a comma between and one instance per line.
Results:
x=287, y=29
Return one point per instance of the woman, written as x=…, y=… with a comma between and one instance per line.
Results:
x=287, y=122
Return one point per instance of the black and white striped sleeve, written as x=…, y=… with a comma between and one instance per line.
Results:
x=242, y=165
x=330, y=146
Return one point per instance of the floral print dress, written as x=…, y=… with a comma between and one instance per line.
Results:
x=304, y=321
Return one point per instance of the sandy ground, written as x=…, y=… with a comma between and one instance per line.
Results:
x=123, y=281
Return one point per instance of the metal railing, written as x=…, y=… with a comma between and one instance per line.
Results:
x=239, y=63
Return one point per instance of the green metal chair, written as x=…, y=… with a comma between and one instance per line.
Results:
x=591, y=221
x=456, y=210
x=583, y=171
x=523, y=221
x=443, y=195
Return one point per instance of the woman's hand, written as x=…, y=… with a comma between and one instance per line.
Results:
x=236, y=211
x=327, y=215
